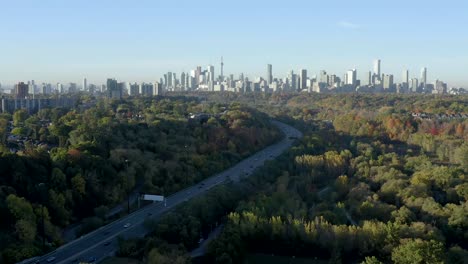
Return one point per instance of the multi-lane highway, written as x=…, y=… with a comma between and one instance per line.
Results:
x=102, y=242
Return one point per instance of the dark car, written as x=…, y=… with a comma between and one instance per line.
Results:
x=107, y=243
x=92, y=259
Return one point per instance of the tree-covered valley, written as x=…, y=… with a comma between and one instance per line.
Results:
x=375, y=179
x=61, y=167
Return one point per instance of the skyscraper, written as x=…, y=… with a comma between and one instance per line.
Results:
x=388, y=82
x=60, y=88
x=113, y=89
x=303, y=79
x=440, y=87
x=351, y=77
x=414, y=85
x=211, y=73
x=423, y=79
x=269, y=74
x=197, y=75
x=182, y=81
x=405, y=79
x=21, y=90
x=134, y=89
x=323, y=77
x=157, y=89
x=85, y=84
x=169, y=80
x=174, y=80
x=377, y=67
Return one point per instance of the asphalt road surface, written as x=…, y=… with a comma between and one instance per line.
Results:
x=102, y=242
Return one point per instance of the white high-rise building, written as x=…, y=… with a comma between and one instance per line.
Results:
x=351, y=77
x=323, y=77
x=405, y=77
x=414, y=85
x=423, y=79
x=388, y=82
x=60, y=88
x=211, y=73
x=377, y=67
x=157, y=88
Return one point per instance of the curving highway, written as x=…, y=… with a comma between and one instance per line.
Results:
x=102, y=242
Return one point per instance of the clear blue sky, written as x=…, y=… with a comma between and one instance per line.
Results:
x=139, y=40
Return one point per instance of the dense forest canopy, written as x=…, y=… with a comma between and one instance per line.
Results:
x=61, y=167
x=376, y=179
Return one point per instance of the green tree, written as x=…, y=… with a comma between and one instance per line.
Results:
x=20, y=208
x=371, y=260
x=19, y=117
x=417, y=251
x=25, y=230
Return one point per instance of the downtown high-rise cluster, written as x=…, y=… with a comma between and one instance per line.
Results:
x=206, y=79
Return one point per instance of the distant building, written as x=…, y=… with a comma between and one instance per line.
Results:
x=60, y=88
x=211, y=73
x=377, y=67
x=440, y=87
x=145, y=89
x=85, y=84
x=405, y=79
x=414, y=85
x=134, y=89
x=388, y=82
x=182, y=81
x=72, y=88
x=303, y=79
x=323, y=77
x=423, y=79
x=114, y=89
x=21, y=90
x=351, y=77
x=169, y=80
x=269, y=74
x=157, y=88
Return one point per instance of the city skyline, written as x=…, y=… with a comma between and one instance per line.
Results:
x=364, y=76
x=65, y=42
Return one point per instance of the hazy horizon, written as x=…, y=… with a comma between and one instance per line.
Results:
x=51, y=41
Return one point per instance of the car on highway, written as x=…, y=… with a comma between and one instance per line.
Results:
x=127, y=225
x=92, y=260
x=49, y=260
x=107, y=243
